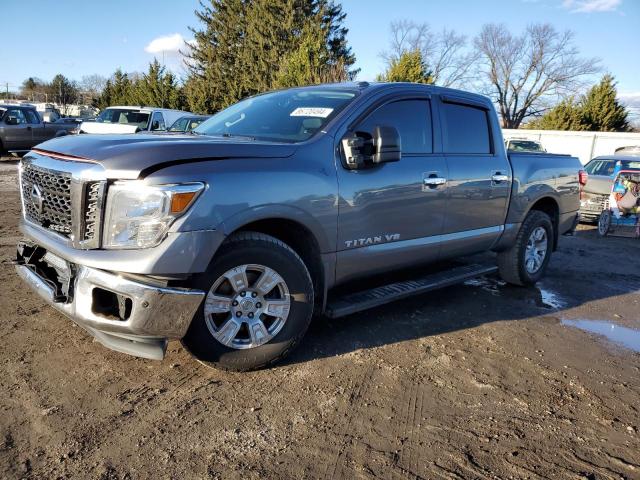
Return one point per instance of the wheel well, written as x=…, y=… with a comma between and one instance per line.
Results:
x=549, y=206
x=302, y=241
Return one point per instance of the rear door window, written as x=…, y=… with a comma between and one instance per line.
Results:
x=465, y=129
x=592, y=166
x=32, y=116
x=605, y=168
x=412, y=119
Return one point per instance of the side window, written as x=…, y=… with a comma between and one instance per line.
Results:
x=17, y=114
x=607, y=168
x=157, y=122
x=412, y=119
x=466, y=129
x=32, y=116
x=592, y=166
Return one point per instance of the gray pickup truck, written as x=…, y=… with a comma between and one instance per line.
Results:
x=232, y=237
x=22, y=127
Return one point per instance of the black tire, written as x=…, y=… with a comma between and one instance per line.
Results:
x=511, y=263
x=254, y=248
x=604, y=223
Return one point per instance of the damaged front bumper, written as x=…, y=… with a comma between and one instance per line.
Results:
x=123, y=314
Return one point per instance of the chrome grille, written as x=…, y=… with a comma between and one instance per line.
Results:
x=53, y=208
x=62, y=199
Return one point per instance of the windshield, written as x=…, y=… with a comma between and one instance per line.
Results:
x=286, y=116
x=525, y=146
x=124, y=116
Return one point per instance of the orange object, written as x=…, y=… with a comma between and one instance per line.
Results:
x=180, y=201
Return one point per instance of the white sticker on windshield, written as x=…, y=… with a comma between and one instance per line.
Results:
x=311, y=112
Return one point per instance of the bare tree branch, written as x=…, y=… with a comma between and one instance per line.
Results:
x=523, y=74
x=444, y=53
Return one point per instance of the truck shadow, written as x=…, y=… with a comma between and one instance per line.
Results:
x=586, y=268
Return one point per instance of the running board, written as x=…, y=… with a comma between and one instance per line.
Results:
x=365, y=299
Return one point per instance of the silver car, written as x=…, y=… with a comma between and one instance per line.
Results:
x=596, y=191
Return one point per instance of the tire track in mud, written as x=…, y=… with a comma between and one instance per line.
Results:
x=347, y=439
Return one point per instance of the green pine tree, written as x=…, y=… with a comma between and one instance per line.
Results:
x=242, y=45
x=601, y=111
x=567, y=115
x=597, y=111
x=409, y=67
x=157, y=88
x=311, y=62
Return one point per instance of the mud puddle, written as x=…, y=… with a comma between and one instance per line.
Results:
x=624, y=336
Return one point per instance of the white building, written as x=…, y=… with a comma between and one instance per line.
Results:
x=584, y=145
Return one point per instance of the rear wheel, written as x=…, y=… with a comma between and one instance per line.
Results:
x=526, y=261
x=604, y=223
x=258, y=306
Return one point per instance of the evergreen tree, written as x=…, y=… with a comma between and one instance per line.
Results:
x=597, y=111
x=567, y=115
x=243, y=43
x=311, y=62
x=63, y=91
x=157, y=88
x=409, y=67
x=601, y=111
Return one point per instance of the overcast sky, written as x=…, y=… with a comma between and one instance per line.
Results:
x=80, y=37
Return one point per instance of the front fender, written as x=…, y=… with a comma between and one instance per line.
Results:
x=281, y=212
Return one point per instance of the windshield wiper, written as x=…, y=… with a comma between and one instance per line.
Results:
x=233, y=135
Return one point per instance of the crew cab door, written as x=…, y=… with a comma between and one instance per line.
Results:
x=18, y=133
x=479, y=180
x=38, y=128
x=388, y=216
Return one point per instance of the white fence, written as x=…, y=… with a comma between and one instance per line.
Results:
x=584, y=145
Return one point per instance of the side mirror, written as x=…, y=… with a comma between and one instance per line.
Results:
x=386, y=144
x=155, y=125
x=357, y=147
x=363, y=150
x=11, y=121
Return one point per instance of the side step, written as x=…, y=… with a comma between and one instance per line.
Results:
x=365, y=299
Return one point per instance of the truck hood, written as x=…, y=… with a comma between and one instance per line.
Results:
x=133, y=156
x=106, y=128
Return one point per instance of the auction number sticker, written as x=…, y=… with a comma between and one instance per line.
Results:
x=311, y=112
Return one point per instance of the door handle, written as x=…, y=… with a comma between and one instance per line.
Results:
x=498, y=178
x=434, y=181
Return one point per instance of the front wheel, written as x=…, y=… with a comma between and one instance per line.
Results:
x=258, y=306
x=526, y=261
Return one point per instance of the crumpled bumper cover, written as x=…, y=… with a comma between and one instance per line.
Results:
x=157, y=313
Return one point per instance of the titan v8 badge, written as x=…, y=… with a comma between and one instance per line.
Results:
x=362, y=242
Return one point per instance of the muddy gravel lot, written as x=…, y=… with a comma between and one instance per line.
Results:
x=482, y=380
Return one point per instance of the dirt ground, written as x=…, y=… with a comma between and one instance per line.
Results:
x=481, y=380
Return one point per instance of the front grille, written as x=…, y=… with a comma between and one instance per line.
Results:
x=47, y=198
x=53, y=201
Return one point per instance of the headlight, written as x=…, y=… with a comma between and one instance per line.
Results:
x=139, y=215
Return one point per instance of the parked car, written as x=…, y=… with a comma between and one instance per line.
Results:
x=131, y=120
x=21, y=127
x=187, y=123
x=523, y=145
x=599, y=183
x=232, y=238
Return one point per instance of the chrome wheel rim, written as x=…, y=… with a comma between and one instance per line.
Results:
x=603, y=223
x=247, y=306
x=536, y=250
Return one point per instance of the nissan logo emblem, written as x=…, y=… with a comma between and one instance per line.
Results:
x=36, y=198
